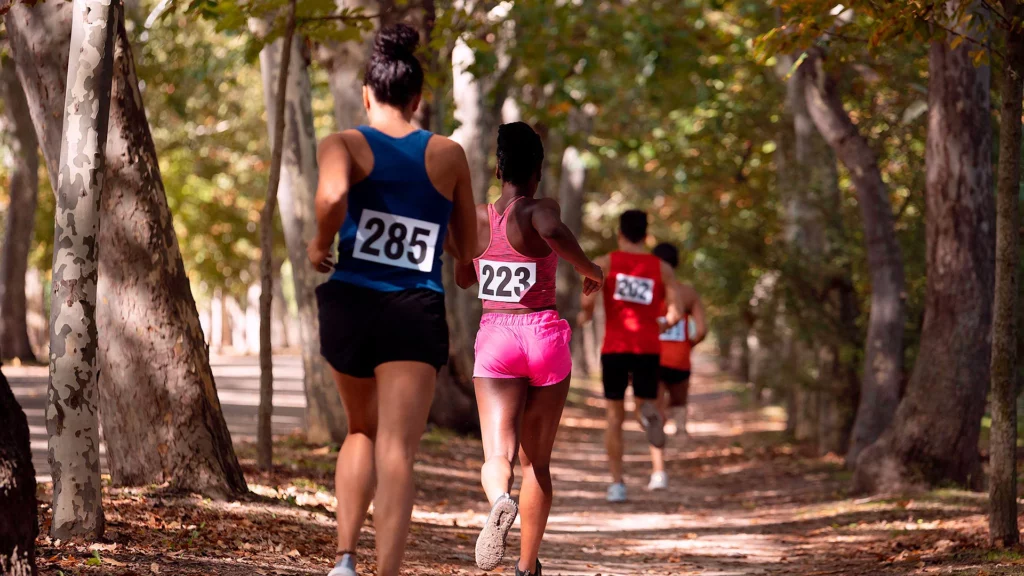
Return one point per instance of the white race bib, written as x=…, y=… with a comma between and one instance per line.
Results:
x=506, y=281
x=676, y=333
x=396, y=240
x=634, y=289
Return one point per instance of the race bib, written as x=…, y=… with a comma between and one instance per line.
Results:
x=676, y=333
x=396, y=241
x=506, y=281
x=634, y=289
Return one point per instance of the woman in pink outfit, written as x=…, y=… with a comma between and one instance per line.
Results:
x=523, y=361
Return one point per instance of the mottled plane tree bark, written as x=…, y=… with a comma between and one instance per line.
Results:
x=72, y=418
x=21, y=214
x=934, y=436
x=162, y=419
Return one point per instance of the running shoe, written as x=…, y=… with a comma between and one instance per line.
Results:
x=345, y=567
x=490, y=545
x=659, y=481
x=617, y=492
x=528, y=573
x=653, y=424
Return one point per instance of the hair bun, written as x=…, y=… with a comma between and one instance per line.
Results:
x=397, y=40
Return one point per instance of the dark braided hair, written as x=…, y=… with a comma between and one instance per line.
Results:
x=393, y=72
x=520, y=153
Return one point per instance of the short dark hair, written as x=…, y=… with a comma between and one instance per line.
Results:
x=520, y=153
x=633, y=225
x=668, y=253
x=393, y=72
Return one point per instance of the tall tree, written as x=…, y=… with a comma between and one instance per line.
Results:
x=934, y=436
x=24, y=192
x=883, y=358
x=19, y=523
x=72, y=418
x=162, y=420
x=325, y=416
x=263, y=430
x=1003, y=451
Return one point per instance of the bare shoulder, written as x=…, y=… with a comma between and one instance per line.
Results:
x=354, y=145
x=546, y=204
x=604, y=261
x=446, y=164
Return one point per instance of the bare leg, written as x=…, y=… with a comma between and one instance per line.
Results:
x=408, y=388
x=616, y=412
x=540, y=424
x=501, y=403
x=354, y=477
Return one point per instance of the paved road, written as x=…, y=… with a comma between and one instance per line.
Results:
x=237, y=386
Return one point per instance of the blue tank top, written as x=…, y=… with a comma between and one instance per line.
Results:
x=393, y=234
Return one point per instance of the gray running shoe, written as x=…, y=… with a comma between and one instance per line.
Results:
x=617, y=492
x=490, y=545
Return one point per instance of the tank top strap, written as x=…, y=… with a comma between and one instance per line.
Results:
x=391, y=155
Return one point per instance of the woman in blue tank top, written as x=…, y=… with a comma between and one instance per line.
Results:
x=391, y=194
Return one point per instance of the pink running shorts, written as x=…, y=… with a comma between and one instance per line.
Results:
x=534, y=346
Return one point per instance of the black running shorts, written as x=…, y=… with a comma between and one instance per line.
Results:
x=361, y=328
x=616, y=370
x=678, y=384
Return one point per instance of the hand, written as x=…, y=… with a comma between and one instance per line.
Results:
x=593, y=279
x=662, y=324
x=319, y=257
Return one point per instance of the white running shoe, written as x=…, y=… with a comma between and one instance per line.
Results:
x=659, y=481
x=345, y=567
x=617, y=492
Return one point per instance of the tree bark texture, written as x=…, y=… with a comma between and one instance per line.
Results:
x=19, y=523
x=162, y=419
x=325, y=415
x=263, y=430
x=21, y=214
x=571, y=194
x=72, y=418
x=883, y=356
x=344, y=62
x=934, y=436
x=1002, y=522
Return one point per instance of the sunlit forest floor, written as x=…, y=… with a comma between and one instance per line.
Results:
x=742, y=501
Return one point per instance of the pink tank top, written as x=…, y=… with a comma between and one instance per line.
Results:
x=509, y=280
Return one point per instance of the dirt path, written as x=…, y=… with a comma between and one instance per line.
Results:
x=741, y=502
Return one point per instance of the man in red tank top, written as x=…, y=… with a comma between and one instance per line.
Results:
x=638, y=286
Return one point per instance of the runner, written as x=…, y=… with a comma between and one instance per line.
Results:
x=393, y=192
x=674, y=371
x=640, y=286
x=676, y=346
x=523, y=362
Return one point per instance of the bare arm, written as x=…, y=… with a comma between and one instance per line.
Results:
x=331, y=201
x=462, y=225
x=674, y=299
x=693, y=307
x=547, y=221
x=589, y=301
x=465, y=274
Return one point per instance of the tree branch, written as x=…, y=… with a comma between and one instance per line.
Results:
x=337, y=17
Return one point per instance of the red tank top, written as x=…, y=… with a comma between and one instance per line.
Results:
x=509, y=280
x=634, y=295
x=675, y=345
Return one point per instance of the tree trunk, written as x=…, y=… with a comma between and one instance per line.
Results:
x=344, y=63
x=71, y=415
x=883, y=357
x=934, y=436
x=21, y=214
x=570, y=196
x=263, y=430
x=1002, y=521
x=19, y=524
x=325, y=415
x=161, y=417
